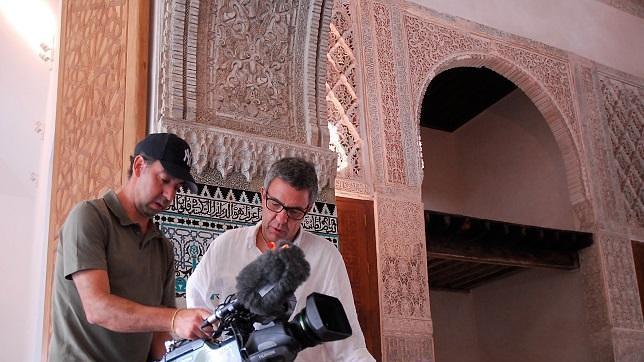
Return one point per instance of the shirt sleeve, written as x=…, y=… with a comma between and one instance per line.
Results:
x=83, y=240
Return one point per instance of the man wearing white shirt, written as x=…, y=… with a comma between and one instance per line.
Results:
x=290, y=188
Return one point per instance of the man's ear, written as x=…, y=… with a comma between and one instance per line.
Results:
x=137, y=165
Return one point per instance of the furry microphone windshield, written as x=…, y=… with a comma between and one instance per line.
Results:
x=265, y=286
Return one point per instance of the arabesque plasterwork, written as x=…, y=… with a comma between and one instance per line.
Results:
x=345, y=117
x=624, y=306
x=381, y=57
x=623, y=114
x=436, y=44
x=403, y=280
x=244, y=101
x=247, y=77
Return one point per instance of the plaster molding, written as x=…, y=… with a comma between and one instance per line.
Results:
x=229, y=152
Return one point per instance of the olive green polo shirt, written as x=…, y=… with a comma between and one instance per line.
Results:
x=98, y=234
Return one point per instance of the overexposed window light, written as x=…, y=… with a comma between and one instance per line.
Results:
x=34, y=21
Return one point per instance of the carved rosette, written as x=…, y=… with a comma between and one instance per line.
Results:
x=231, y=152
x=623, y=112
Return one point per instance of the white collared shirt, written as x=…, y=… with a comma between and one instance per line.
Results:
x=214, y=279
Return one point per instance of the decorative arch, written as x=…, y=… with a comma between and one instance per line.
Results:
x=547, y=106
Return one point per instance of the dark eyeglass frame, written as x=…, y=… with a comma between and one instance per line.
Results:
x=281, y=206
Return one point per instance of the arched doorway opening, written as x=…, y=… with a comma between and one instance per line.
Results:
x=493, y=163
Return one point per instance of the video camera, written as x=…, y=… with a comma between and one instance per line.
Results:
x=236, y=339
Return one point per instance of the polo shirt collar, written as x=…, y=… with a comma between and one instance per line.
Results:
x=113, y=203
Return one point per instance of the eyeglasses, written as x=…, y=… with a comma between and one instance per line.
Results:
x=275, y=205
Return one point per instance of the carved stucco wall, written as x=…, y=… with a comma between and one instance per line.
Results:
x=243, y=83
x=612, y=107
x=596, y=115
x=595, y=118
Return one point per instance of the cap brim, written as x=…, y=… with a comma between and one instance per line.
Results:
x=181, y=173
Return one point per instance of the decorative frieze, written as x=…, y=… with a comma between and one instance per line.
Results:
x=395, y=168
x=229, y=152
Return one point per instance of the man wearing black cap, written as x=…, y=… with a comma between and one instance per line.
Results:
x=114, y=286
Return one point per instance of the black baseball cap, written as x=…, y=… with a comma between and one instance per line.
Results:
x=173, y=152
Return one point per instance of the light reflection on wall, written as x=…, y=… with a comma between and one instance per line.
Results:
x=336, y=145
x=34, y=21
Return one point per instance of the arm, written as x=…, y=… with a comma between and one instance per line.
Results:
x=122, y=315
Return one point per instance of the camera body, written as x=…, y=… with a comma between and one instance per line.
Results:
x=322, y=320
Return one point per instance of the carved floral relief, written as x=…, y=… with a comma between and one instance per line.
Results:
x=248, y=68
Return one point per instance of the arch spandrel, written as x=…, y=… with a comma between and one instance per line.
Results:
x=545, y=78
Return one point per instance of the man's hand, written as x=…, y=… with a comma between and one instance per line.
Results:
x=187, y=324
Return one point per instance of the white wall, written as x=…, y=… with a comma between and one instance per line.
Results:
x=502, y=165
x=27, y=100
x=588, y=28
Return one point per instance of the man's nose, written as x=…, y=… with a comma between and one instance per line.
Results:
x=169, y=192
x=282, y=216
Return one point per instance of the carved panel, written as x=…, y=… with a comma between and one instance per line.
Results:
x=623, y=300
x=408, y=348
x=429, y=43
x=248, y=68
x=371, y=101
x=90, y=121
x=345, y=127
x=611, y=211
x=403, y=261
x=395, y=170
x=89, y=131
x=553, y=73
x=178, y=59
x=623, y=111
